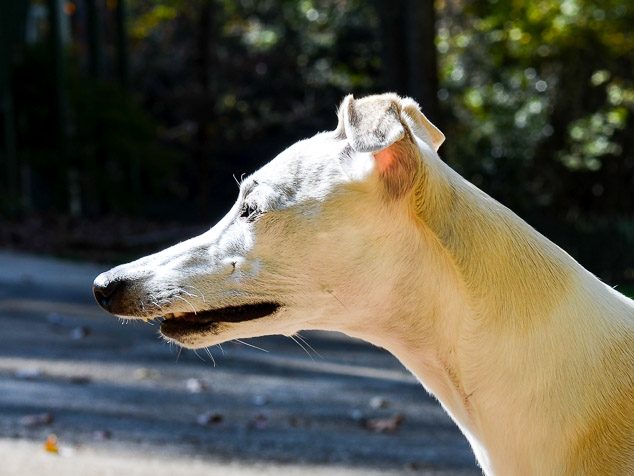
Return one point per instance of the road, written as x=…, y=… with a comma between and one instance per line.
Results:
x=122, y=401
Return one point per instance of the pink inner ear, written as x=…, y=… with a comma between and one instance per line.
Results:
x=385, y=159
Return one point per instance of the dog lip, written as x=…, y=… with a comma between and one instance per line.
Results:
x=203, y=319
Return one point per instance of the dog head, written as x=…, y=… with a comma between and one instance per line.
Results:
x=319, y=238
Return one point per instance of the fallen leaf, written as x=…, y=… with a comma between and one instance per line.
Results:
x=385, y=425
x=37, y=420
x=209, y=418
x=51, y=444
x=195, y=385
x=101, y=435
x=260, y=421
x=378, y=402
x=79, y=333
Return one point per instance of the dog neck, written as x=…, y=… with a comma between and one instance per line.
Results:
x=501, y=338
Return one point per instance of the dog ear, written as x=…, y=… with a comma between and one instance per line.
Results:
x=374, y=129
x=371, y=124
x=420, y=125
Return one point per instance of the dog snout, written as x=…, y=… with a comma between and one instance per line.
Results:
x=106, y=289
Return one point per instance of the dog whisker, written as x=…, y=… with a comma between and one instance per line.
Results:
x=190, y=304
x=303, y=339
x=156, y=304
x=303, y=348
x=250, y=345
x=202, y=295
x=198, y=355
x=210, y=356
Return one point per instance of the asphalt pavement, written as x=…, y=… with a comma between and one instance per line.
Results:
x=113, y=398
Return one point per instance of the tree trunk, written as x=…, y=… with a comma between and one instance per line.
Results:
x=422, y=58
x=409, y=60
x=95, y=39
x=392, y=15
x=12, y=23
x=61, y=100
x=123, y=56
x=204, y=64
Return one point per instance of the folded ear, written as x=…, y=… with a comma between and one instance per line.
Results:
x=420, y=125
x=373, y=125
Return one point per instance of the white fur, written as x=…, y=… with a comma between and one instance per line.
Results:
x=529, y=353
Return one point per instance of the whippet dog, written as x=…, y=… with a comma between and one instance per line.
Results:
x=365, y=231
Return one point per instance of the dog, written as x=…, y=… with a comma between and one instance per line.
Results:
x=365, y=231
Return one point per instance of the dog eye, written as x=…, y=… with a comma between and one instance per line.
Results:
x=249, y=211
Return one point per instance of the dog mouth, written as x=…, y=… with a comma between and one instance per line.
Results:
x=179, y=324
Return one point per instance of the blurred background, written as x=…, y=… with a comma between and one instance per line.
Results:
x=123, y=121
x=123, y=124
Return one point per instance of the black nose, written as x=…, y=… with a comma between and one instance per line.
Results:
x=104, y=290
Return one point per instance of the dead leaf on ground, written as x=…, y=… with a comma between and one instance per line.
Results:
x=378, y=402
x=50, y=444
x=101, y=435
x=385, y=425
x=260, y=421
x=79, y=333
x=209, y=418
x=195, y=385
x=37, y=420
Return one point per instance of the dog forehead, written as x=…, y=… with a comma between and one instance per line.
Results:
x=308, y=163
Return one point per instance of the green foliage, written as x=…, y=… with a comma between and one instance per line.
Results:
x=278, y=54
x=544, y=88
